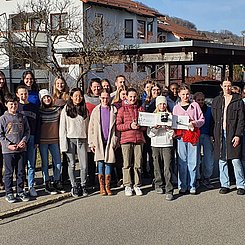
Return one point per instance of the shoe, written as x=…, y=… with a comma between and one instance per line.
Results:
x=107, y=184
x=32, y=192
x=207, y=184
x=128, y=191
x=120, y=183
x=169, y=197
x=10, y=198
x=101, y=178
x=159, y=190
x=224, y=190
x=22, y=196
x=240, y=191
x=49, y=189
x=74, y=191
x=84, y=191
x=58, y=186
x=193, y=191
x=183, y=192
x=138, y=191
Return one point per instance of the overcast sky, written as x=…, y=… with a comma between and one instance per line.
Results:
x=207, y=15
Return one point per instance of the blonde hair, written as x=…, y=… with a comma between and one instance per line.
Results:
x=117, y=95
x=60, y=95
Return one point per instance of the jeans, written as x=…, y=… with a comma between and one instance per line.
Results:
x=207, y=163
x=187, y=160
x=31, y=160
x=104, y=168
x=128, y=150
x=164, y=154
x=14, y=162
x=81, y=146
x=55, y=153
x=223, y=169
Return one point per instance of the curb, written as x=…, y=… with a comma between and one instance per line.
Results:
x=33, y=205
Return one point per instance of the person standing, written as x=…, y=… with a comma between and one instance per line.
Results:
x=228, y=115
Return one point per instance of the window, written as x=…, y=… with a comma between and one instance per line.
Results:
x=58, y=23
x=128, y=67
x=141, y=29
x=37, y=25
x=18, y=22
x=129, y=29
x=150, y=27
x=98, y=24
x=199, y=71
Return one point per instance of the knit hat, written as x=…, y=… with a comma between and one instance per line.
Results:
x=44, y=92
x=161, y=99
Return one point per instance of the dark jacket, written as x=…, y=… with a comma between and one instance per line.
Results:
x=234, y=126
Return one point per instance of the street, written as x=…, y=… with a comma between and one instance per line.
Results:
x=206, y=218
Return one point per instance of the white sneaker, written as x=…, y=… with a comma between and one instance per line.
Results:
x=138, y=191
x=32, y=192
x=128, y=191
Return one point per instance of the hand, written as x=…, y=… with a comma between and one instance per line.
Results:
x=93, y=149
x=36, y=146
x=21, y=145
x=191, y=126
x=13, y=147
x=235, y=141
x=134, y=125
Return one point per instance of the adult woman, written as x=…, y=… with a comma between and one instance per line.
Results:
x=28, y=79
x=102, y=139
x=73, y=137
x=3, y=92
x=228, y=114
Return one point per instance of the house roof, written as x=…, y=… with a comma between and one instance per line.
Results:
x=180, y=31
x=128, y=5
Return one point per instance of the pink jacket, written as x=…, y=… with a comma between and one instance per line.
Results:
x=194, y=112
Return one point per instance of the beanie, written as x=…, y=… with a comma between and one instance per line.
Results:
x=44, y=92
x=161, y=99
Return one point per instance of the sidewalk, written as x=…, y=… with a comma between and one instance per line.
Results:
x=43, y=198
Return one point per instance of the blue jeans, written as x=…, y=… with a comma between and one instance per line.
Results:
x=55, y=153
x=223, y=169
x=207, y=162
x=187, y=162
x=104, y=168
x=31, y=160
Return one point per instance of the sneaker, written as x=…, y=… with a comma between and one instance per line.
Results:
x=128, y=191
x=59, y=187
x=240, y=191
x=74, y=191
x=138, y=191
x=10, y=198
x=193, y=191
x=22, y=196
x=169, y=197
x=183, y=192
x=207, y=184
x=49, y=189
x=84, y=191
x=32, y=192
x=224, y=190
x=159, y=190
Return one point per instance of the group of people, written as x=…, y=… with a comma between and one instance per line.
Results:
x=101, y=129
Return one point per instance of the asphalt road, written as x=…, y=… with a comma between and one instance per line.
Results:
x=207, y=218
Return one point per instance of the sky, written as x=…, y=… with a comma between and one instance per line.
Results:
x=207, y=15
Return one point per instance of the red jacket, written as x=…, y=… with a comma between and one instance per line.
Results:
x=126, y=115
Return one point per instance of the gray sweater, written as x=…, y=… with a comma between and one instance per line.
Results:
x=13, y=129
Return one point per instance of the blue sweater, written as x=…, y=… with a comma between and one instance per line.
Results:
x=207, y=127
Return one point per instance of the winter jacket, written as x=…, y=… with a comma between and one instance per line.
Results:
x=126, y=115
x=103, y=153
x=193, y=111
x=208, y=125
x=234, y=126
x=71, y=128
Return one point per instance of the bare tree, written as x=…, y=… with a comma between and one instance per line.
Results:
x=40, y=27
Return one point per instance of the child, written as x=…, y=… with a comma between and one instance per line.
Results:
x=49, y=141
x=73, y=137
x=187, y=150
x=14, y=134
x=103, y=140
x=162, y=143
x=31, y=112
x=205, y=142
x=132, y=140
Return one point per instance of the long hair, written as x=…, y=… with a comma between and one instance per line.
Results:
x=63, y=94
x=4, y=90
x=116, y=98
x=34, y=86
x=93, y=80
x=106, y=80
x=72, y=110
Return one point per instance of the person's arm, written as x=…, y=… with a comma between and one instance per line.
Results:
x=91, y=132
x=26, y=135
x=121, y=125
x=63, y=131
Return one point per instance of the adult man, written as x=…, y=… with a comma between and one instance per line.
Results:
x=119, y=81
